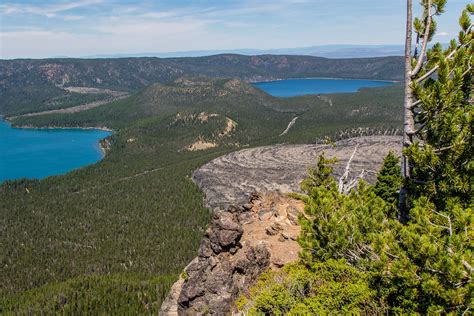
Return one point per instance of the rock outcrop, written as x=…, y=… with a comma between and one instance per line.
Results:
x=243, y=241
x=236, y=249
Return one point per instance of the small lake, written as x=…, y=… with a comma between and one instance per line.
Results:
x=38, y=153
x=295, y=87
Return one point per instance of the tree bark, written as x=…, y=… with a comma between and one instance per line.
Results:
x=408, y=116
x=424, y=46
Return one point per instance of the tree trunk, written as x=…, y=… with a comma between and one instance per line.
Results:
x=408, y=117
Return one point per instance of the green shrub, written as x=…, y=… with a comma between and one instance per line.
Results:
x=330, y=287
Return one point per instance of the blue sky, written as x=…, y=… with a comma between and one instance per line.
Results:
x=41, y=28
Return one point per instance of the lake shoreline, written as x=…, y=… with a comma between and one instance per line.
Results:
x=100, y=128
x=324, y=78
x=47, y=159
x=105, y=129
x=285, y=88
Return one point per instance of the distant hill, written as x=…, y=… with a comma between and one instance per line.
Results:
x=328, y=51
x=27, y=83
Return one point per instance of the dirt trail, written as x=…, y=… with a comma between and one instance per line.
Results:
x=112, y=96
x=290, y=125
x=118, y=180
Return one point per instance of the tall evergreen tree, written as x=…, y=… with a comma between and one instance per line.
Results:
x=433, y=264
x=389, y=180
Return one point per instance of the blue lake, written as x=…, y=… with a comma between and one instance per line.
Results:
x=38, y=153
x=295, y=87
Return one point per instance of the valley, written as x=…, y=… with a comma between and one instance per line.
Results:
x=332, y=178
x=135, y=219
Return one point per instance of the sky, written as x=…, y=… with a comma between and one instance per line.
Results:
x=75, y=28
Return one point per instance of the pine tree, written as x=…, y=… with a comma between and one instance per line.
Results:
x=389, y=179
x=442, y=152
x=432, y=266
x=338, y=225
x=424, y=30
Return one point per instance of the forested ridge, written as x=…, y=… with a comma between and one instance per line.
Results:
x=120, y=231
x=27, y=85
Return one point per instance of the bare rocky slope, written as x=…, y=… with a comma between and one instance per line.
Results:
x=240, y=243
x=255, y=224
x=231, y=179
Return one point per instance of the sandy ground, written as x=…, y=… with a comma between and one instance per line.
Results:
x=113, y=96
x=270, y=223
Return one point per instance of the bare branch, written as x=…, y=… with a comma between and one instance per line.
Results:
x=434, y=270
x=440, y=226
x=345, y=175
x=415, y=132
x=450, y=228
x=339, y=221
x=467, y=265
x=426, y=36
x=465, y=312
x=391, y=255
x=468, y=70
x=415, y=104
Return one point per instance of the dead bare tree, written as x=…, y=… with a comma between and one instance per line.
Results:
x=344, y=185
x=413, y=66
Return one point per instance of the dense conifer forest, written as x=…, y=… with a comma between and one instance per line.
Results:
x=119, y=232
x=112, y=238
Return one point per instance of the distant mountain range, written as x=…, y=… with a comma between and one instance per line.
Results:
x=328, y=51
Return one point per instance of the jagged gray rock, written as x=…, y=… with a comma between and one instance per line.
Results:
x=222, y=270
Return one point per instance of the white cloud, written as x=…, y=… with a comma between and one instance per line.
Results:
x=73, y=17
x=48, y=11
x=442, y=34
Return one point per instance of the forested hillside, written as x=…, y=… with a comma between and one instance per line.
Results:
x=120, y=231
x=30, y=84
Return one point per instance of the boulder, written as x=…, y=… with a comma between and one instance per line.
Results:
x=292, y=214
x=271, y=231
x=265, y=214
x=278, y=262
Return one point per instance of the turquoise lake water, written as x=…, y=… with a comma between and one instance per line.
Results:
x=295, y=87
x=38, y=153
